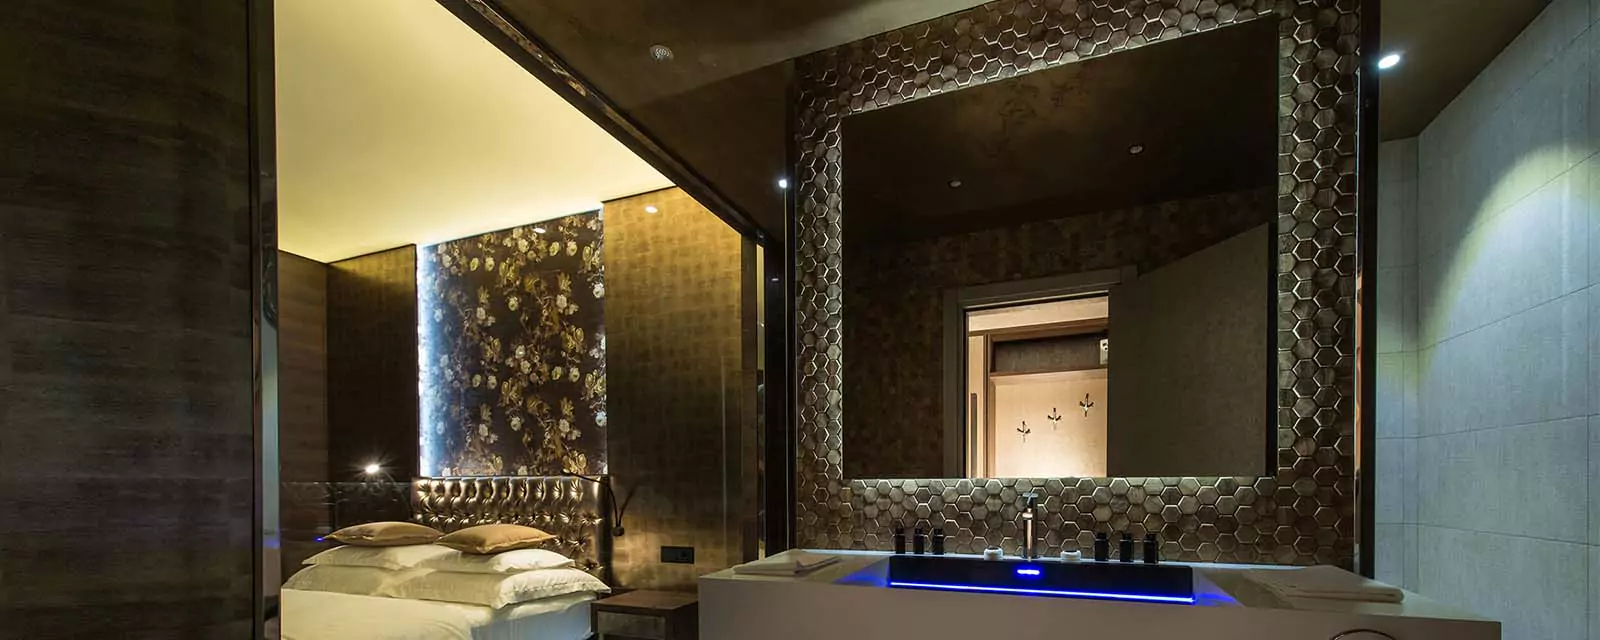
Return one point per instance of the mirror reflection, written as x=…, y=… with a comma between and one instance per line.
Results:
x=1067, y=273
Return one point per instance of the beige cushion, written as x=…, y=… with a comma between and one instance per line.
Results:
x=516, y=561
x=392, y=558
x=386, y=534
x=494, y=538
x=494, y=589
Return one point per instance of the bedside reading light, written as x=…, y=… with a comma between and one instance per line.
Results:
x=616, y=507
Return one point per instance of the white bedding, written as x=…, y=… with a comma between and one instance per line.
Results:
x=319, y=615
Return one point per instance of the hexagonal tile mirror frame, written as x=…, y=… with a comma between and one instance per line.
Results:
x=1305, y=512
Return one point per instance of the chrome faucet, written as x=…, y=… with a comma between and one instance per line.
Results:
x=1030, y=539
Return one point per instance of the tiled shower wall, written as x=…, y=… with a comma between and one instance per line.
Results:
x=1495, y=469
x=1395, y=511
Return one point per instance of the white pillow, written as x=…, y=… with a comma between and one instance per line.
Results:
x=495, y=590
x=361, y=581
x=504, y=562
x=396, y=558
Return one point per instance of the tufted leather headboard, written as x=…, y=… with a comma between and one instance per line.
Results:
x=577, y=511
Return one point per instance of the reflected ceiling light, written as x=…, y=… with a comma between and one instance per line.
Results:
x=955, y=184
x=783, y=183
x=1136, y=149
x=650, y=208
x=1389, y=61
x=372, y=469
x=538, y=229
x=660, y=52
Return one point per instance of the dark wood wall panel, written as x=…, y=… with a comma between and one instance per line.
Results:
x=126, y=428
x=302, y=369
x=372, y=364
x=302, y=403
x=682, y=387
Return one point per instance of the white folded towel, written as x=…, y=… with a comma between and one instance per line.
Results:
x=788, y=563
x=1325, y=582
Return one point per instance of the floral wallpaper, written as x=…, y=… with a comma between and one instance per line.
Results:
x=513, y=351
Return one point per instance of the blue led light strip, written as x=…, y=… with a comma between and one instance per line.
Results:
x=1047, y=592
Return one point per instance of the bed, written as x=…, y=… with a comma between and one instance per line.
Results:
x=575, y=510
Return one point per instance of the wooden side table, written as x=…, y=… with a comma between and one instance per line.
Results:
x=647, y=615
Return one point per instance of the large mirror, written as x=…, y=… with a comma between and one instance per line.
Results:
x=1068, y=273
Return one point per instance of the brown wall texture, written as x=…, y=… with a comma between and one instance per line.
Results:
x=682, y=386
x=126, y=428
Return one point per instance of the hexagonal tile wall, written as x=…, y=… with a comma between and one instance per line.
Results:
x=1304, y=512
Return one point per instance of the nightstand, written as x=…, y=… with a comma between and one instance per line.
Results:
x=647, y=615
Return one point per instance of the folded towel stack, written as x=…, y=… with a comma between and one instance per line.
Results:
x=789, y=563
x=1326, y=583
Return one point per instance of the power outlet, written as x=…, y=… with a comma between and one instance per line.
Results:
x=677, y=555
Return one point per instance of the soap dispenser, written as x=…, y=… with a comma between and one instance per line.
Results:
x=1125, y=548
x=938, y=541
x=899, y=540
x=1152, y=549
x=919, y=542
x=1102, y=547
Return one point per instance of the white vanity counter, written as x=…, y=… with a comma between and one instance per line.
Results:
x=850, y=599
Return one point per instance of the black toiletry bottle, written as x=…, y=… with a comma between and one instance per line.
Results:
x=1102, y=547
x=938, y=541
x=919, y=542
x=1125, y=548
x=1152, y=549
x=899, y=540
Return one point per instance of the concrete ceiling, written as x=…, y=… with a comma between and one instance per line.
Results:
x=398, y=124
x=1444, y=44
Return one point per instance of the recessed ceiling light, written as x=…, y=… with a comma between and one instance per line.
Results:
x=1389, y=61
x=538, y=229
x=372, y=469
x=955, y=184
x=1136, y=149
x=650, y=208
x=783, y=183
x=660, y=52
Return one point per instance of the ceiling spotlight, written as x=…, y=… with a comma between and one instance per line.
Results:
x=955, y=184
x=1389, y=61
x=538, y=229
x=1136, y=149
x=783, y=183
x=372, y=469
x=650, y=208
x=660, y=52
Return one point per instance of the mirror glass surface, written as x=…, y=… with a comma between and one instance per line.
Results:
x=1069, y=272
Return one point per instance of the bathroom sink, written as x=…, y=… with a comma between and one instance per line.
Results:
x=1172, y=584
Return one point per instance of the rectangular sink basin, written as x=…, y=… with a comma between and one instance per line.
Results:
x=1172, y=584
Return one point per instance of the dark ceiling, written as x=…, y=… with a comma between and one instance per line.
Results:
x=1445, y=43
x=1057, y=142
x=720, y=104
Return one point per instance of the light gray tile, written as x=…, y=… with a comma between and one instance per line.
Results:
x=1397, y=309
x=1531, y=367
x=1591, y=174
x=1397, y=160
x=1594, y=593
x=1533, y=253
x=1487, y=480
x=1390, y=507
x=1551, y=33
x=1390, y=564
x=1594, y=347
x=1594, y=483
x=1391, y=380
x=1410, y=552
x=1536, y=588
x=1408, y=478
x=1397, y=223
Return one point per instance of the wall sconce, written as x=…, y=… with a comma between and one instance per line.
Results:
x=616, y=507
